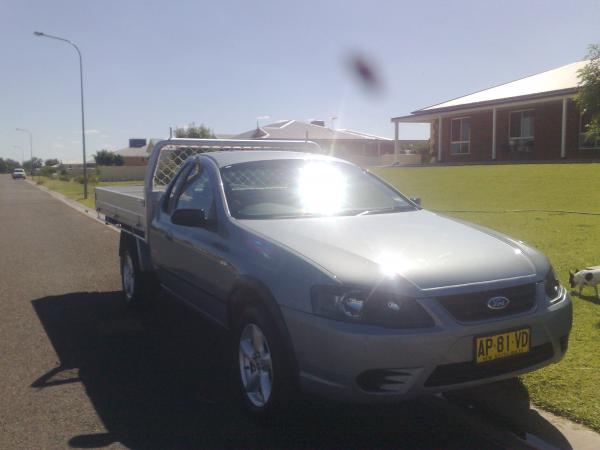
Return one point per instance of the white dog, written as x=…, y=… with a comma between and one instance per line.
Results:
x=590, y=276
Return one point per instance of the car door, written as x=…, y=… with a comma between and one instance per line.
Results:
x=161, y=236
x=201, y=254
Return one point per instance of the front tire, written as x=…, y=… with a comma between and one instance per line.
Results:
x=263, y=375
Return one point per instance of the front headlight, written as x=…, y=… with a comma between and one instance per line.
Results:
x=554, y=290
x=369, y=308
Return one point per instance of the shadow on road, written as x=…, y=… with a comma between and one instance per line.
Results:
x=506, y=405
x=160, y=380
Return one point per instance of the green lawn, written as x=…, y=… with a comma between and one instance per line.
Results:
x=572, y=387
x=74, y=190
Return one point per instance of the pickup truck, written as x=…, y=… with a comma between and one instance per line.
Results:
x=329, y=279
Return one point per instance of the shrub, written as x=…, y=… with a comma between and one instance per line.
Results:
x=92, y=178
x=47, y=171
x=425, y=151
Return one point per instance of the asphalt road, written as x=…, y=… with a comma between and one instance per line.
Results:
x=79, y=370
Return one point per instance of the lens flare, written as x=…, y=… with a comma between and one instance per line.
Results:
x=322, y=189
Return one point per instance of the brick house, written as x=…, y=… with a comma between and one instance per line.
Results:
x=136, y=154
x=533, y=118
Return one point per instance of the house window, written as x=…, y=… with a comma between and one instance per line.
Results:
x=522, y=124
x=460, y=136
x=584, y=141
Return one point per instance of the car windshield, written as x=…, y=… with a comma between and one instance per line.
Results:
x=292, y=188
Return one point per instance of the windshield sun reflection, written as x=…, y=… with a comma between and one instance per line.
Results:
x=322, y=189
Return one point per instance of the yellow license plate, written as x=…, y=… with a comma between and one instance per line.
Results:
x=489, y=348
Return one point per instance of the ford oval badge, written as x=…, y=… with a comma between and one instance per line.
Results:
x=498, y=303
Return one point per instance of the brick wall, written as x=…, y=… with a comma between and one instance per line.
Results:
x=121, y=173
x=135, y=160
x=547, y=142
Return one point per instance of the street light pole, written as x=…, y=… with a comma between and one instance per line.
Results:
x=39, y=33
x=30, y=145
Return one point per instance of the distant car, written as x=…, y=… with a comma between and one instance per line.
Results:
x=18, y=173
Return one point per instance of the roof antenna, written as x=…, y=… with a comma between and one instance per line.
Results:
x=170, y=132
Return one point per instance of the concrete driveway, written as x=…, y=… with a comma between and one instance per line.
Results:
x=81, y=371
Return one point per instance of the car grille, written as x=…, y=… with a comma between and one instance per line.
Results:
x=469, y=371
x=473, y=306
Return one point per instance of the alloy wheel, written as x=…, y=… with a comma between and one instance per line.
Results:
x=256, y=368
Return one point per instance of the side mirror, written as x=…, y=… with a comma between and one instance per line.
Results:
x=189, y=218
x=416, y=200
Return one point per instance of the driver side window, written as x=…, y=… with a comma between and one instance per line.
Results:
x=196, y=192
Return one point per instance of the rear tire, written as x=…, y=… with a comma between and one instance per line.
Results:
x=264, y=379
x=139, y=288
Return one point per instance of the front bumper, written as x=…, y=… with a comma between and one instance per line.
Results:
x=338, y=359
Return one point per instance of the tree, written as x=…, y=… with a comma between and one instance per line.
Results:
x=8, y=165
x=194, y=132
x=51, y=162
x=34, y=163
x=108, y=158
x=588, y=97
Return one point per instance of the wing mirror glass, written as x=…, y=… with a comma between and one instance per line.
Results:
x=189, y=218
x=416, y=200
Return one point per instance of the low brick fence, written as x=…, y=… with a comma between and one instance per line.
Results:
x=121, y=173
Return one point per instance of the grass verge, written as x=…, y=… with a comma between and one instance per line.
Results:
x=74, y=190
x=569, y=388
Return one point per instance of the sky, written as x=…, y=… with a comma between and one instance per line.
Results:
x=149, y=65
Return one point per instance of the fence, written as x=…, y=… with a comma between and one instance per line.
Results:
x=403, y=159
x=122, y=173
x=387, y=159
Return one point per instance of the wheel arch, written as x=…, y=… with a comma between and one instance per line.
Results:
x=129, y=241
x=126, y=242
x=248, y=290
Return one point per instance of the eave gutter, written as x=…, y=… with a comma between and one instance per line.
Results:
x=432, y=114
